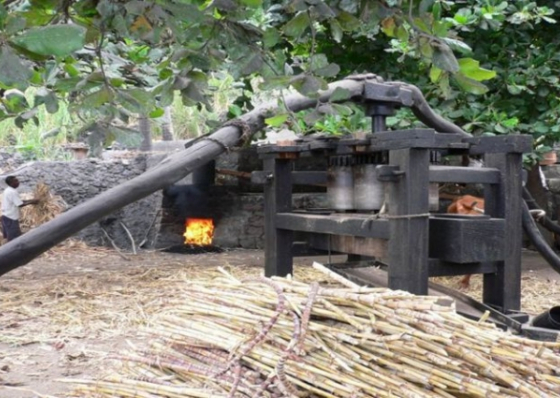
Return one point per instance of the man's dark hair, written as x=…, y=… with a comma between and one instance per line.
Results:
x=9, y=180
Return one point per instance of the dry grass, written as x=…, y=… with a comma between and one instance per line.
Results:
x=98, y=304
x=49, y=207
x=131, y=302
x=256, y=337
x=537, y=294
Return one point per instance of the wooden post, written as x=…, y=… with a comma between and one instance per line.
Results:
x=409, y=221
x=503, y=288
x=277, y=199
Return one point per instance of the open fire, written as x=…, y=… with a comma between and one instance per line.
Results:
x=199, y=231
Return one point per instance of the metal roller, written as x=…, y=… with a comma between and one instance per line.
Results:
x=340, y=183
x=369, y=192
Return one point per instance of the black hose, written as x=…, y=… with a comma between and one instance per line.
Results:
x=532, y=231
x=545, y=221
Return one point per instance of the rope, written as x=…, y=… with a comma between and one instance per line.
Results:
x=403, y=216
x=243, y=126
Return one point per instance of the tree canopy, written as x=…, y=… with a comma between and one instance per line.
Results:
x=488, y=65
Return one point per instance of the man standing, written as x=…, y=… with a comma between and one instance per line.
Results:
x=11, y=202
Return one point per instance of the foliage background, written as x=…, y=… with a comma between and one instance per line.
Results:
x=98, y=66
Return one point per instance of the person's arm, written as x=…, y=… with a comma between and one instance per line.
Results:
x=28, y=202
x=16, y=200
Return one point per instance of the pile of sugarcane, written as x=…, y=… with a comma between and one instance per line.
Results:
x=282, y=338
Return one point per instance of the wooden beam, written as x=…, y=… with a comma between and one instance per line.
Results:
x=464, y=175
x=503, y=288
x=409, y=223
x=445, y=268
x=336, y=224
x=509, y=144
x=370, y=247
x=278, y=258
x=467, y=239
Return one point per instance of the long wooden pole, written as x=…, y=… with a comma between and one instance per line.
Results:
x=25, y=248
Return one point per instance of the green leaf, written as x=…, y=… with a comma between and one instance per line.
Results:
x=444, y=59
x=318, y=61
x=458, y=45
x=250, y=64
x=514, y=89
x=71, y=70
x=192, y=95
x=13, y=72
x=470, y=68
x=48, y=98
x=326, y=109
x=158, y=112
x=276, y=83
x=470, y=85
x=312, y=117
x=388, y=27
x=136, y=100
x=235, y=110
x=3, y=16
x=402, y=33
x=435, y=74
x=25, y=117
x=331, y=70
x=98, y=98
x=436, y=11
x=271, y=37
x=336, y=30
x=425, y=6
x=14, y=101
x=57, y=40
x=308, y=85
x=426, y=48
x=348, y=22
x=342, y=109
x=276, y=121
x=340, y=94
x=252, y=3
x=14, y=25
x=297, y=25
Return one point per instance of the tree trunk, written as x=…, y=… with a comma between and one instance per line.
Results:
x=146, y=132
x=28, y=246
x=167, y=124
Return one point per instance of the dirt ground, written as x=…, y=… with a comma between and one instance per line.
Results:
x=65, y=313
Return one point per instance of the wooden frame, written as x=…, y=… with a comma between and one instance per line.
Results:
x=406, y=237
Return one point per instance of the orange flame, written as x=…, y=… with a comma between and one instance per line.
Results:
x=199, y=231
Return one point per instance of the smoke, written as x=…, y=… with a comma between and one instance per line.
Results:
x=189, y=201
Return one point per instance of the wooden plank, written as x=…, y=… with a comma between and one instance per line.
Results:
x=337, y=224
x=283, y=149
x=464, y=175
x=500, y=144
x=278, y=198
x=370, y=247
x=408, y=223
x=445, y=268
x=303, y=249
x=503, y=288
x=467, y=240
x=298, y=177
